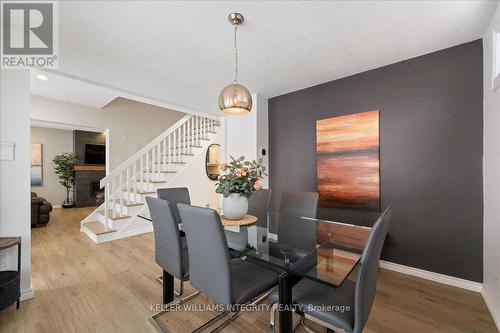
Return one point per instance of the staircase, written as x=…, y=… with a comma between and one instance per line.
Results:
x=156, y=165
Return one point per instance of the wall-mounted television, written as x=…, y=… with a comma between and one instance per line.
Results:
x=95, y=154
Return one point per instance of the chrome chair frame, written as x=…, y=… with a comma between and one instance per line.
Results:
x=301, y=322
x=153, y=317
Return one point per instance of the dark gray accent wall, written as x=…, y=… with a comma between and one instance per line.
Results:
x=431, y=148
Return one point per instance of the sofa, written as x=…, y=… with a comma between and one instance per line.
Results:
x=40, y=211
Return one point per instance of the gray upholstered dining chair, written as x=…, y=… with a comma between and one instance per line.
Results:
x=228, y=282
x=299, y=203
x=259, y=200
x=295, y=204
x=171, y=252
x=311, y=297
x=174, y=195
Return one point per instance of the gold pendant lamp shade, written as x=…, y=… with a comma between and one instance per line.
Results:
x=235, y=99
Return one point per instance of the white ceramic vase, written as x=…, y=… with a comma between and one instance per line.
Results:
x=235, y=206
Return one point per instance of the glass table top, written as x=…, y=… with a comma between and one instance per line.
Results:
x=320, y=250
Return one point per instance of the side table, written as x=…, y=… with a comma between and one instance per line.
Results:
x=10, y=281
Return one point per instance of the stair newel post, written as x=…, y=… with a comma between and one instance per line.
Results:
x=106, y=198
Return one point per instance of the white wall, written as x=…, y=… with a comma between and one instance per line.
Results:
x=15, y=175
x=248, y=134
x=131, y=124
x=54, y=142
x=201, y=189
x=491, y=178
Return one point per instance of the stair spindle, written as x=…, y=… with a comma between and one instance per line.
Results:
x=190, y=133
x=113, y=190
x=134, y=184
x=142, y=174
x=164, y=142
x=120, y=192
x=169, y=151
x=127, y=182
x=195, y=136
x=160, y=166
x=148, y=167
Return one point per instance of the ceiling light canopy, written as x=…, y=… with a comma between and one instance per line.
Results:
x=235, y=99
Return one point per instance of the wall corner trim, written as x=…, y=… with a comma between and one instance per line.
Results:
x=432, y=276
x=27, y=294
x=495, y=313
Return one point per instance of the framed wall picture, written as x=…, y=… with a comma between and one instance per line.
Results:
x=348, y=162
x=36, y=164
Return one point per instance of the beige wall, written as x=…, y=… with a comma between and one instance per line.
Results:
x=131, y=124
x=15, y=174
x=491, y=177
x=54, y=142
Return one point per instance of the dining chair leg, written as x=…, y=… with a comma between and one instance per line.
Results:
x=159, y=279
x=273, y=316
x=262, y=297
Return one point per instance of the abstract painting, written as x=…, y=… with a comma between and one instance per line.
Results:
x=36, y=164
x=348, y=164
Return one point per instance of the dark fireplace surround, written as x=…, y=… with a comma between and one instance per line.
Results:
x=87, y=177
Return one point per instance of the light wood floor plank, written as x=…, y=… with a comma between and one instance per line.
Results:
x=84, y=287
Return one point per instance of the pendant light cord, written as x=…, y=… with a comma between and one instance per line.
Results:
x=235, y=54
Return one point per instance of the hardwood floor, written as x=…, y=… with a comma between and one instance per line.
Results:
x=84, y=287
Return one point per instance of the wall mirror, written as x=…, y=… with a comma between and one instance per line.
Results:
x=212, y=162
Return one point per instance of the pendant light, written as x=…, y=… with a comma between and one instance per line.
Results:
x=235, y=99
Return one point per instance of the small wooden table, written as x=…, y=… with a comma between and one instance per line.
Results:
x=247, y=219
x=10, y=288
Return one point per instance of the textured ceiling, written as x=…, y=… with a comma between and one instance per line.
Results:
x=284, y=46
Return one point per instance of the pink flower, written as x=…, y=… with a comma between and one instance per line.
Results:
x=258, y=185
x=223, y=166
x=241, y=172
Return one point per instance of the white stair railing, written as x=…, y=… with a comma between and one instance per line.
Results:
x=135, y=175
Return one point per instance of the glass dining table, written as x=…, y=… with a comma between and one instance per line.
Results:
x=297, y=248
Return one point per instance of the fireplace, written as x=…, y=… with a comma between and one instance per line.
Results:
x=95, y=188
x=87, y=186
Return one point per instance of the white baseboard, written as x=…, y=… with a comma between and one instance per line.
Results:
x=436, y=277
x=56, y=206
x=495, y=313
x=27, y=294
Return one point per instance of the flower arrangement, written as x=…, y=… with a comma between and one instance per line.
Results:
x=240, y=176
